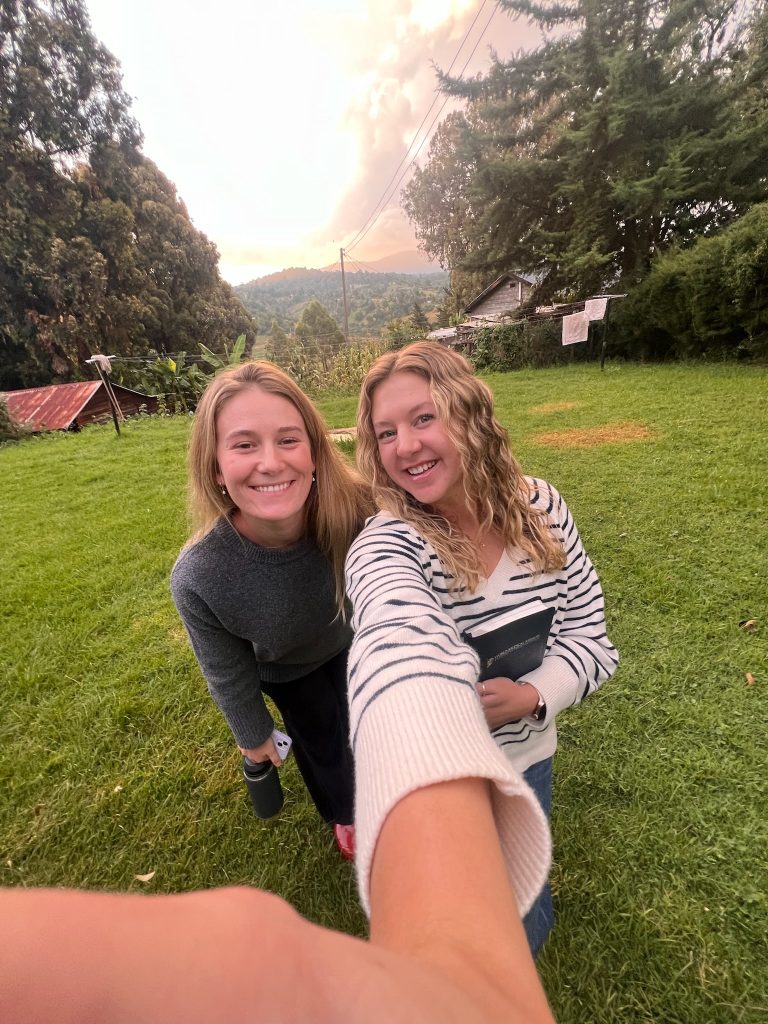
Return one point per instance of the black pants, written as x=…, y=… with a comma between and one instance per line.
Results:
x=314, y=710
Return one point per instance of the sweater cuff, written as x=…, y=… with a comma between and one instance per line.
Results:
x=251, y=724
x=556, y=682
x=425, y=731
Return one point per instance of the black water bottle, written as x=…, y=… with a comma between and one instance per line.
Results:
x=264, y=789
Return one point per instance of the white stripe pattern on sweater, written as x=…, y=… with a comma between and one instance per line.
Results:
x=408, y=661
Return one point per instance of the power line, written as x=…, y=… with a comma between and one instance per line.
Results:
x=387, y=195
x=359, y=265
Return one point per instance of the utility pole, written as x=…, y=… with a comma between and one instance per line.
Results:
x=344, y=293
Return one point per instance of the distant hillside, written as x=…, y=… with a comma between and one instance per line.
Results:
x=374, y=299
x=289, y=274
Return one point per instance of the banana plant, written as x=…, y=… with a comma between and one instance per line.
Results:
x=231, y=357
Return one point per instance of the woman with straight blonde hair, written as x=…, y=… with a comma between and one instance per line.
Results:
x=260, y=584
x=464, y=538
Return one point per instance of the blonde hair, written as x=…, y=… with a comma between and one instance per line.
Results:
x=338, y=502
x=495, y=490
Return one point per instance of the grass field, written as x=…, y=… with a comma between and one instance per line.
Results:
x=114, y=762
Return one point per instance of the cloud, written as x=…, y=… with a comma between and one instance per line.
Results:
x=281, y=125
x=395, y=83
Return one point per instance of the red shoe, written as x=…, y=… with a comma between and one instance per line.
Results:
x=344, y=835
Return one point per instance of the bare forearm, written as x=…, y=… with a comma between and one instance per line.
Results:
x=101, y=958
x=440, y=892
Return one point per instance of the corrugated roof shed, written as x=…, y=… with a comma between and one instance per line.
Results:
x=63, y=406
x=54, y=407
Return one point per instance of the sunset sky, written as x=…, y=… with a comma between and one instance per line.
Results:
x=281, y=124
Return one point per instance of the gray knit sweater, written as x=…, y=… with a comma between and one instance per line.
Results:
x=255, y=615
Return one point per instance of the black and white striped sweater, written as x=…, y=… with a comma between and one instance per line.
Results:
x=407, y=623
x=415, y=716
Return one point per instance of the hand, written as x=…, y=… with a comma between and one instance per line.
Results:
x=266, y=752
x=505, y=701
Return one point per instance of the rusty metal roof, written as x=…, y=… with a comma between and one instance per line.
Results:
x=50, y=408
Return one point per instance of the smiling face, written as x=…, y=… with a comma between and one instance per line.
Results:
x=265, y=462
x=415, y=449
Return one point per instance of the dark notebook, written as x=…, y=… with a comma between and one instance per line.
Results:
x=513, y=642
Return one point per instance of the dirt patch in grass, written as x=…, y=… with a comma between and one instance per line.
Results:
x=555, y=407
x=591, y=437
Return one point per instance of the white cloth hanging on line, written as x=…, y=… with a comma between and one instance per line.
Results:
x=103, y=362
x=594, y=309
x=575, y=328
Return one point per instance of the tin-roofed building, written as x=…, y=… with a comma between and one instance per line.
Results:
x=71, y=406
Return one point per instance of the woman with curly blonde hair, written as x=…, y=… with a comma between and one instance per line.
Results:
x=260, y=584
x=463, y=536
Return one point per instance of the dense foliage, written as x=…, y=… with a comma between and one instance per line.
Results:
x=374, y=299
x=634, y=127
x=10, y=430
x=516, y=345
x=711, y=298
x=97, y=252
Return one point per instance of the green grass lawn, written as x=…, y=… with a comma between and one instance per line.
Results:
x=114, y=761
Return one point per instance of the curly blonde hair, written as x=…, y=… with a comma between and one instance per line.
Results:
x=495, y=490
x=338, y=503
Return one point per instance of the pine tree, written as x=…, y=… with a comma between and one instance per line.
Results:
x=636, y=126
x=278, y=348
x=419, y=319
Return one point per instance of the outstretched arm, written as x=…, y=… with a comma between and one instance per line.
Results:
x=415, y=717
x=446, y=946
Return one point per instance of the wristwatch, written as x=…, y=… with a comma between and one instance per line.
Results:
x=540, y=710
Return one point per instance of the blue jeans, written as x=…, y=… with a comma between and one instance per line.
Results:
x=540, y=919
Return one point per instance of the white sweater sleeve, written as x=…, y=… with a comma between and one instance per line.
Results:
x=415, y=717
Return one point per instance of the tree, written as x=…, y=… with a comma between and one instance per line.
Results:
x=61, y=89
x=708, y=299
x=278, y=347
x=319, y=333
x=96, y=249
x=634, y=127
x=419, y=319
x=399, y=333
x=60, y=97
x=10, y=430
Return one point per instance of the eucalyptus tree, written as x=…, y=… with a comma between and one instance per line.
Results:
x=97, y=251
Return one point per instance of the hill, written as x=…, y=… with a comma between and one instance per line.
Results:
x=374, y=299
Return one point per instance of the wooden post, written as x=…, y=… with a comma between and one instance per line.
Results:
x=113, y=403
x=344, y=293
x=605, y=335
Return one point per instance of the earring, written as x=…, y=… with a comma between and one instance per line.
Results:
x=223, y=490
x=314, y=479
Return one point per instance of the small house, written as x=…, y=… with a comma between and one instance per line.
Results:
x=501, y=298
x=71, y=406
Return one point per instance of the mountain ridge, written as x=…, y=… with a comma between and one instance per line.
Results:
x=406, y=261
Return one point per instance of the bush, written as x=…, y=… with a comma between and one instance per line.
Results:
x=709, y=300
x=343, y=374
x=513, y=346
x=10, y=430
